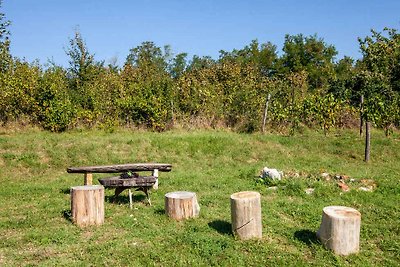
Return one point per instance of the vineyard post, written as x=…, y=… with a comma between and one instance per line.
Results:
x=367, y=141
x=265, y=113
x=361, y=114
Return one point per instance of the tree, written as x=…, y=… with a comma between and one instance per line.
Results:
x=149, y=58
x=83, y=66
x=178, y=65
x=379, y=77
x=309, y=54
x=197, y=63
x=5, y=56
x=263, y=57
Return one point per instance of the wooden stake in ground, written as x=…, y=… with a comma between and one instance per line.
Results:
x=361, y=114
x=265, y=112
x=87, y=205
x=340, y=229
x=181, y=205
x=367, y=140
x=246, y=215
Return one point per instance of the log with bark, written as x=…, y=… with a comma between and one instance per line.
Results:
x=340, y=229
x=181, y=205
x=87, y=205
x=246, y=215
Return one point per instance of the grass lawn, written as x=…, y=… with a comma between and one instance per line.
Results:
x=35, y=228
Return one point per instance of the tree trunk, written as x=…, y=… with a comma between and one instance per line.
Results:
x=246, y=215
x=87, y=205
x=361, y=114
x=181, y=205
x=367, y=140
x=340, y=229
x=265, y=112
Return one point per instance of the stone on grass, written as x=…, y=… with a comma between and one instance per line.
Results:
x=309, y=191
x=272, y=174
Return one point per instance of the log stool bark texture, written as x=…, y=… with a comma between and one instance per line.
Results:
x=340, y=229
x=87, y=205
x=246, y=215
x=181, y=205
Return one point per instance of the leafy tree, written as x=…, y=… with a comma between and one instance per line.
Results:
x=197, y=63
x=81, y=60
x=148, y=96
x=379, y=77
x=83, y=70
x=5, y=56
x=309, y=54
x=178, y=65
x=263, y=57
x=149, y=58
x=341, y=85
x=381, y=54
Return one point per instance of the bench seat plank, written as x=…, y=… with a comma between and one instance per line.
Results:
x=162, y=167
x=117, y=181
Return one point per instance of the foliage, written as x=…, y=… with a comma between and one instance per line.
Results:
x=55, y=110
x=379, y=77
x=156, y=89
x=5, y=56
x=309, y=54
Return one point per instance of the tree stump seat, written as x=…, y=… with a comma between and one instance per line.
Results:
x=87, y=205
x=246, y=215
x=340, y=229
x=181, y=205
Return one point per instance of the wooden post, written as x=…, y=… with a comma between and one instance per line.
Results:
x=367, y=141
x=181, y=205
x=246, y=215
x=87, y=205
x=265, y=112
x=130, y=198
x=88, y=179
x=340, y=229
x=361, y=114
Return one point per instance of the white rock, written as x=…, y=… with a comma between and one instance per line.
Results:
x=273, y=174
x=309, y=191
x=366, y=189
x=274, y=188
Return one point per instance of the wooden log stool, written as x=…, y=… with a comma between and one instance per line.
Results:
x=340, y=229
x=87, y=205
x=181, y=205
x=246, y=215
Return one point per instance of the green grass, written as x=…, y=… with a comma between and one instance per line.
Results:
x=35, y=228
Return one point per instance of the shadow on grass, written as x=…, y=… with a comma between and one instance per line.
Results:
x=159, y=211
x=66, y=191
x=222, y=227
x=67, y=215
x=306, y=236
x=122, y=199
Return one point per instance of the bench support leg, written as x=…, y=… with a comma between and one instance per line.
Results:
x=130, y=198
x=88, y=179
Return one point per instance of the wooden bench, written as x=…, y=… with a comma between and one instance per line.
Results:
x=128, y=177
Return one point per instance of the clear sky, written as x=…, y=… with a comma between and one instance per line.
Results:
x=41, y=28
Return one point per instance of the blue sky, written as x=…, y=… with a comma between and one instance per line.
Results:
x=41, y=28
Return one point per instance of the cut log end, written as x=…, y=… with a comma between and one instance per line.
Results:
x=246, y=215
x=87, y=205
x=340, y=229
x=181, y=205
